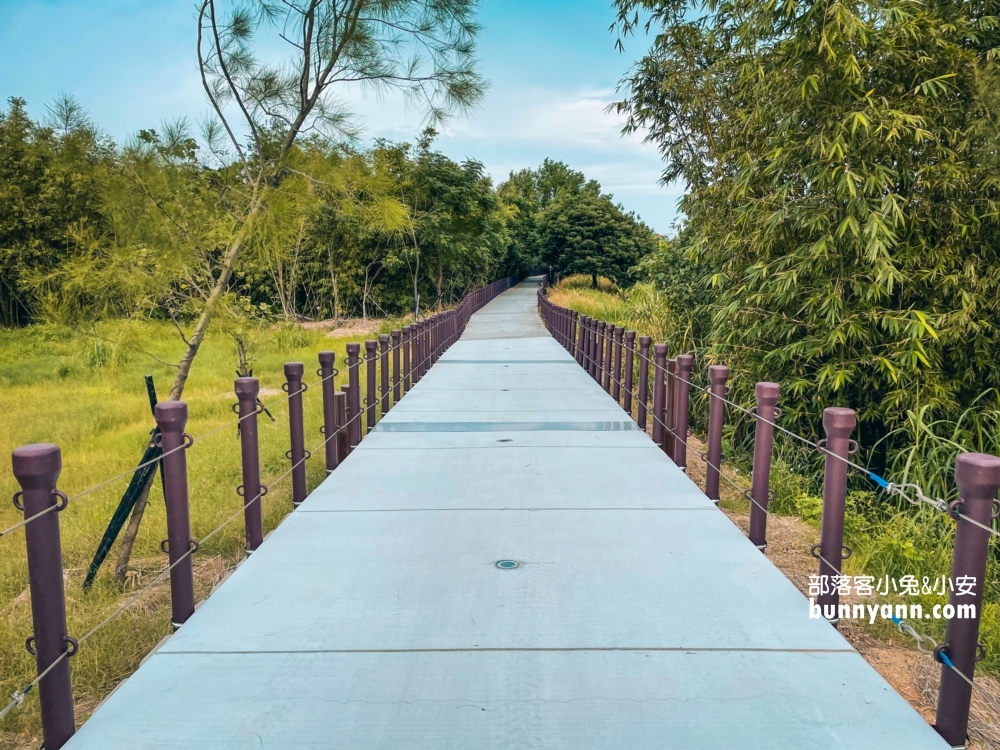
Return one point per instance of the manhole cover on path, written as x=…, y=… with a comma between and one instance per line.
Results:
x=507, y=564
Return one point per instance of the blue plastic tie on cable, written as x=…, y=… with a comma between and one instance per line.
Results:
x=897, y=620
x=878, y=480
x=945, y=659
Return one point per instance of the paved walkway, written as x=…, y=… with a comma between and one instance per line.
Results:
x=375, y=616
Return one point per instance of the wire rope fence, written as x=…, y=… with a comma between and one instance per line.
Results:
x=657, y=390
x=378, y=373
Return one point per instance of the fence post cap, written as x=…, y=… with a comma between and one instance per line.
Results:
x=353, y=349
x=383, y=338
x=685, y=362
x=294, y=370
x=977, y=475
x=247, y=389
x=645, y=341
x=718, y=373
x=370, y=345
x=619, y=332
x=171, y=416
x=326, y=359
x=839, y=421
x=767, y=393
x=660, y=351
x=396, y=334
x=36, y=466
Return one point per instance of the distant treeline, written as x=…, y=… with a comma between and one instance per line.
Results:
x=90, y=228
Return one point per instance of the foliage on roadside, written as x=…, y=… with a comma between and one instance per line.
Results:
x=842, y=205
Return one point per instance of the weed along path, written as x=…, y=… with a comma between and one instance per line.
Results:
x=507, y=561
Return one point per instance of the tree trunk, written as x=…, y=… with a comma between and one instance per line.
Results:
x=208, y=312
x=440, y=283
x=336, y=295
x=593, y=281
x=125, y=551
x=184, y=368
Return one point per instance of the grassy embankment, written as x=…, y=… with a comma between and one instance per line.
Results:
x=87, y=396
x=887, y=538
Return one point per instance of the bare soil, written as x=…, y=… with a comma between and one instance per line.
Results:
x=344, y=327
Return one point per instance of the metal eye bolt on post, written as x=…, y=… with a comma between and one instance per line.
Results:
x=247, y=390
x=296, y=430
x=36, y=468
x=978, y=478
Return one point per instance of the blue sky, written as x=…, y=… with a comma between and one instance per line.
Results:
x=551, y=64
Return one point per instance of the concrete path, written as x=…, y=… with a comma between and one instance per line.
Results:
x=637, y=616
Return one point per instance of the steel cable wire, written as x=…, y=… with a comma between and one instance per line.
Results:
x=890, y=488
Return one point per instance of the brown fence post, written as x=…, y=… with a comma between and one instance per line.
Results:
x=354, y=394
x=328, y=430
x=418, y=345
x=343, y=400
x=717, y=376
x=669, y=407
x=760, y=492
x=629, y=365
x=252, y=492
x=383, y=341
x=659, y=366
x=171, y=418
x=296, y=429
x=685, y=364
x=643, y=395
x=838, y=424
x=978, y=478
x=397, y=337
x=616, y=365
x=36, y=468
x=407, y=345
x=580, y=331
x=606, y=331
x=371, y=367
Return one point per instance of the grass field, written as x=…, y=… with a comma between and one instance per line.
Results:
x=87, y=396
x=888, y=538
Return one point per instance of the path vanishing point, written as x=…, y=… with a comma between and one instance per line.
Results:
x=507, y=561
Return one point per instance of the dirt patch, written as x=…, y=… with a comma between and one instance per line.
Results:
x=345, y=327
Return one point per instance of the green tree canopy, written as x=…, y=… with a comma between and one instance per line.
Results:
x=842, y=169
x=580, y=233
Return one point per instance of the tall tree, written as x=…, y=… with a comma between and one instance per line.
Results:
x=424, y=48
x=587, y=234
x=841, y=162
